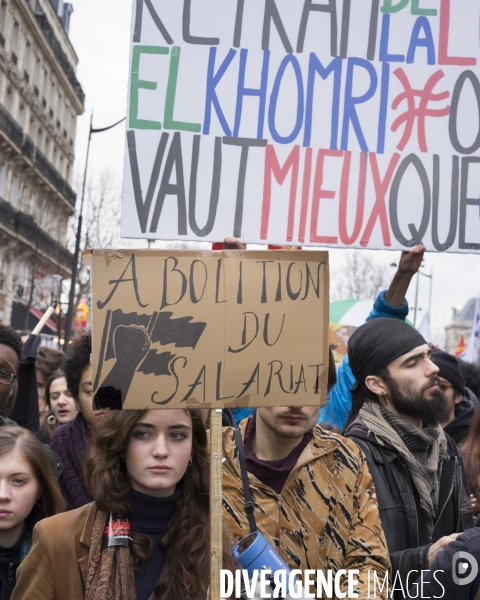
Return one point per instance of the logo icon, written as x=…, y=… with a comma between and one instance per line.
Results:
x=464, y=568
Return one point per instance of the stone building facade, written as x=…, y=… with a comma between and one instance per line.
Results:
x=40, y=99
x=461, y=324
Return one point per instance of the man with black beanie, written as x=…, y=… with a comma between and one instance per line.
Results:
x=397, y=405
x=462, y=402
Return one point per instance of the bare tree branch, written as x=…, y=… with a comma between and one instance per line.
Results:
x=361, y=277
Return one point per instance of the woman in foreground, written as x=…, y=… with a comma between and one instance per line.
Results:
x=147, y=470
x=28, y=493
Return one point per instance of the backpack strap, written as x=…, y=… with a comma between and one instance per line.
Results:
x=248, y=506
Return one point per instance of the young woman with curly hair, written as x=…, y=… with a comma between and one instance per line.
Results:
x=152, y=469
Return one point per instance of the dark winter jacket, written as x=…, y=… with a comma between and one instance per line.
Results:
x=459, y=427
x=438, y=581
x=406, y=532
x=11, y=557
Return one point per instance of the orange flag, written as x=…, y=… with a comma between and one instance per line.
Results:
x=461, y=347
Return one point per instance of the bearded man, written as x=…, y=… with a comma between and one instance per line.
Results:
x=397, y=405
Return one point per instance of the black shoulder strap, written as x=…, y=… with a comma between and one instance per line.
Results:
x=246, y=487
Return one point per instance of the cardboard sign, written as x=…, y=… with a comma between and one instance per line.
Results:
x=293, y=122
x=209, y=329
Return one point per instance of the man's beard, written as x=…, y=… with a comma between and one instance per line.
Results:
x=408, y=401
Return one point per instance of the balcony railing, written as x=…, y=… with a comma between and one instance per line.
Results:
x=45, y=167
x=25, y=226
x=28, y=148
x=8, y=214
x=9, y=126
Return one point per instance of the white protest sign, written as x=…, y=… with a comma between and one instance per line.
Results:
x=300, y=122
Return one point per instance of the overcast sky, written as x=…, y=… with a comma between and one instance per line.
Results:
x=100, y=35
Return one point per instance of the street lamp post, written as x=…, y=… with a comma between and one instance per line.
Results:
x=416, y=300
x=416, y=295
x=71, y=300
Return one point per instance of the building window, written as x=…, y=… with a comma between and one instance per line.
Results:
x=41, y=209
x=23, y=280
x=45, y=85
x=27, y=200
x=36, y=77
x=16, y=30
x=21, y=115
x=53, y=227
x=3, y=271
x=33, y=200
x=46, y=220
x=26, y=56
x=47, y=146
x=23, y=200
x=3, y=16
x=14, y=192
x=52, y=97
x=40, y=140
x=3, y=180
x=9, y=100
x=59, y=109
x=3, y=22
x=26, y=61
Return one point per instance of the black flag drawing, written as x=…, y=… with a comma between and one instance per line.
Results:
x=181, y=332
x=129, y=341
x=156, y=364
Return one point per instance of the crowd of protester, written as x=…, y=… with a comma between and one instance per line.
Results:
x=384, y=478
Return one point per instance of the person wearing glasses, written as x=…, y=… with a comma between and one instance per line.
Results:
x=10, y=354
x=462, y=402
x=11, y=347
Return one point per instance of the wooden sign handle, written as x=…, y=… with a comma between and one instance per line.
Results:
x=48, y=313
x=215, y=502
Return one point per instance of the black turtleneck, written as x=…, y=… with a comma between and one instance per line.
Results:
x=152, y=516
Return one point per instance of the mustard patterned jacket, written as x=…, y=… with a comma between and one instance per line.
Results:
x=326, y=516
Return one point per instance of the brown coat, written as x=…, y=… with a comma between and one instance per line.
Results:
x=56, y=566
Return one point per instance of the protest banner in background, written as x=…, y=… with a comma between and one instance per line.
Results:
x=209, y=329
x=294, y=122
